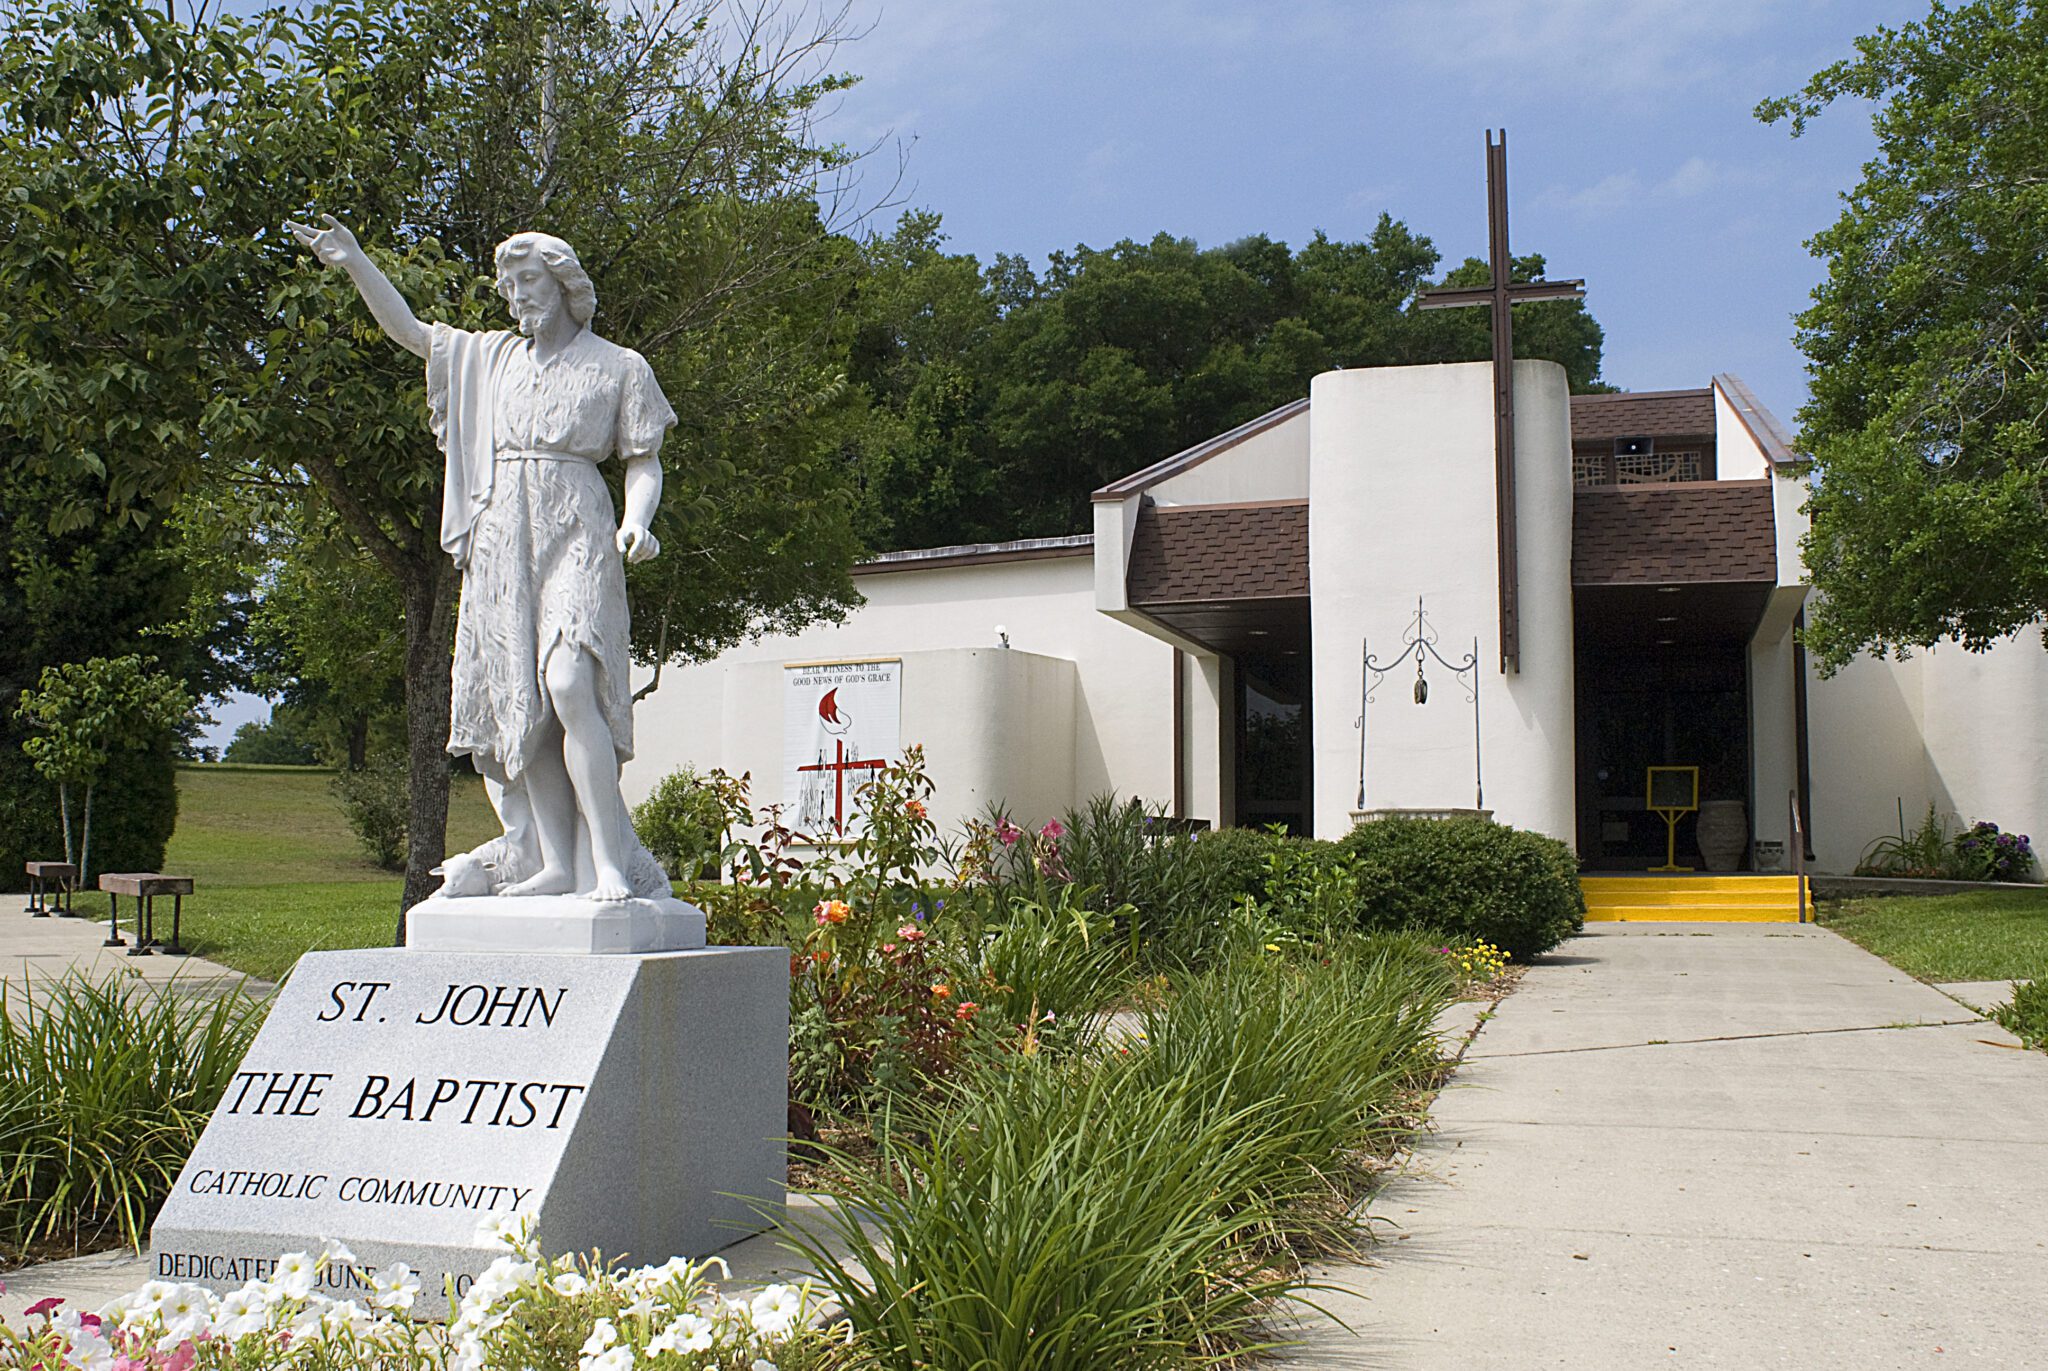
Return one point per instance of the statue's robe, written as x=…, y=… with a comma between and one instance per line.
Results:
x=529, y=522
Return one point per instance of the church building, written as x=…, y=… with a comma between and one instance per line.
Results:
x=1346, y=608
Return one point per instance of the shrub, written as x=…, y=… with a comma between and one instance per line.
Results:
x=1236, y=860
x=2025, y=1016
x=683, y=822
x=378, y=807
x=1127, y=855
x=1470, y=877
x=1982, y=853
x=1046, y=969
x=104, y=1089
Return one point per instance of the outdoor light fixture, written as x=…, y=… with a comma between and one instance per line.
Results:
x=1667, y=590
x=1419, y=642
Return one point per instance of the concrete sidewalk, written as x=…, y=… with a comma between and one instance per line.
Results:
x=35, y=951
x=1736, y=1145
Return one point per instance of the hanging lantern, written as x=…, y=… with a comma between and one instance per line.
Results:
x=1421, y=684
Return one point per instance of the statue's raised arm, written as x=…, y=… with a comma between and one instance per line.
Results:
x=337, y=247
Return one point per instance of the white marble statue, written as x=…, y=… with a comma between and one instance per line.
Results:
x=542, y=702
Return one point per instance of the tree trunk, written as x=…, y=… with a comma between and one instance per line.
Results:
x=85, y=838
x=64, y=809
x=429, y=637
x=359, y=742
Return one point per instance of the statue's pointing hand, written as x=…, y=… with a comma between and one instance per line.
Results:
x=637, y=542
x=334, y=245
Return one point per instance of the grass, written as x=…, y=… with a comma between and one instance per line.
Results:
x=1992, y=935
x=279, y=873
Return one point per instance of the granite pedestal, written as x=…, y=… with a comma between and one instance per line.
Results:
x=396, y=1097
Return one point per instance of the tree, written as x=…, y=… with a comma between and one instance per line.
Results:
x=1927, y=343
x=85, y=713
x=1003, y=399
x=163, y=332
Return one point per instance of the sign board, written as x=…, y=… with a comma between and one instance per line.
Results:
x=1674, y=787
x=396, y=1098
x=841, y=723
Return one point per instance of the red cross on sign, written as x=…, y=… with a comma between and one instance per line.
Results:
x=839, y=766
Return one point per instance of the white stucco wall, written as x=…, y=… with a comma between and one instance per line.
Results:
x=1269, y=465
x=1962, y=731
x=1401, y=504
x=1080, y=704
x=1736, y=454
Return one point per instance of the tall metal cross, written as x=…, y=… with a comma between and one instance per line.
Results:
x=1501, y=295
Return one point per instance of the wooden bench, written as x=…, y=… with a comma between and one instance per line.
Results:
x=144, y=887
x=42, y=878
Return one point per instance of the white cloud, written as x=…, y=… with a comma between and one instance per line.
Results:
x=1616, y=44
x=1693, y=179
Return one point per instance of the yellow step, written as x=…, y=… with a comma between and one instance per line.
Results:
x=1691, y=898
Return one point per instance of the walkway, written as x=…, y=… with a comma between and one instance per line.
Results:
x=34, y=951
x=1717, y=1146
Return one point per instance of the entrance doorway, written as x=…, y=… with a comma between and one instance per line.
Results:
x=1275, y=766
x=1658, y=706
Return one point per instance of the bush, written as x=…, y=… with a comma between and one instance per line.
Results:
x=2026, y=1015
x=683, y=823
x=104, y=1089
x=134, y=810
x=1982, y=853
x=1128, y=856
x=1470, y=877
x=378, y=807
x=1236, y=860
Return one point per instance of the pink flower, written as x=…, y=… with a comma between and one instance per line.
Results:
x=1052, y=829
x=1009, y=833
x=44, y=1306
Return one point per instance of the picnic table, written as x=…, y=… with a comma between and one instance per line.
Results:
x=42, y=877
x=143, y=887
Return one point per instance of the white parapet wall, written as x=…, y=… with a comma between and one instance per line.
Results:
x=1401, y=505
x=1079, y=704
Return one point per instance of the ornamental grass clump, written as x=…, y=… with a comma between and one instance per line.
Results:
x=105, y=1086
x=1322, y=1055
x=1059, y=1213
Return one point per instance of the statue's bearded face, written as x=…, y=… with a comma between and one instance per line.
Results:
x=532, y=293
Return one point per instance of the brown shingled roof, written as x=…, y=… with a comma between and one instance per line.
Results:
x=1701, y=531
x=1195, y=553
x=1652, y=413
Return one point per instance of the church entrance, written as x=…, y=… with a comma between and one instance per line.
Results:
x=1662, y=680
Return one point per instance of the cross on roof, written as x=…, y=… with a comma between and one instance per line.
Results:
x=1501, y=294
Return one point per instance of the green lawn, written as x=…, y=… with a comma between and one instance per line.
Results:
x=1993, y=935
x=278, y=871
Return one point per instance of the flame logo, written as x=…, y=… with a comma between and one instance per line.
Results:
x=836, y=720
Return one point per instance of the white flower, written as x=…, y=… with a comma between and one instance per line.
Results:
x=148, y=1298
x=614, y=1359
x=762, y=1364
x=346, y=1317
x=640, y=1308
x=569, y=1283
x=334, y=1250
x=689, y=1333
x=86, y=1350
x=507, y=1230
x=294, y=1274
x=603, y=1334
x=776, y=1310
x=395, y=1287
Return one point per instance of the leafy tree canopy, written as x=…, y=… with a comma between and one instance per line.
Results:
x=1928, y=341
x=1004, y=397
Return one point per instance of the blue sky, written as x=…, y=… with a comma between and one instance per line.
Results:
x=1634, y=159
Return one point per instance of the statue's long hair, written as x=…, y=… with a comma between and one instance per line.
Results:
x=578, y=294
